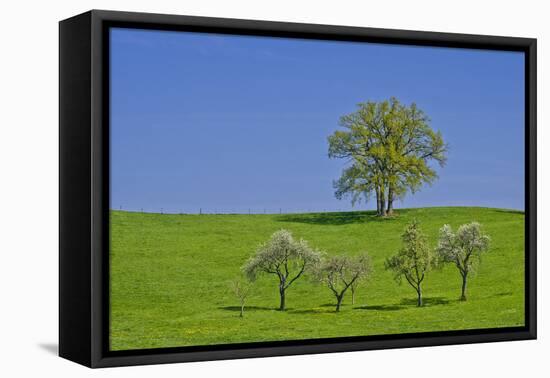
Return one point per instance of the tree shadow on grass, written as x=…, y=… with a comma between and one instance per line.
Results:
x=331, y=308
x=330, y=305
x=380, y=308
x=426, y=302
x=334, y=218
x=333, y=305
x=405, y=303
x=309, y=311
x=247, y=308
x=504, y=294
x=509, y=211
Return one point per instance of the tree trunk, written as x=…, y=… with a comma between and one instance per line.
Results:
x=282, y=294
x=390, y=201
x=352, y=296
x=464, y=278
x=339, y=303
x=382, y=203
x=242, y=309
x=378, y=210
x=419, y=291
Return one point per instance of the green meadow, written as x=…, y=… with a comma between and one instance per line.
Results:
x=170, y=278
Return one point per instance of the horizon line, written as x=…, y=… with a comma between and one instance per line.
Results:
x=309, y=212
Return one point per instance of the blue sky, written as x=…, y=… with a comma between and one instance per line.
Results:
x=232, y=123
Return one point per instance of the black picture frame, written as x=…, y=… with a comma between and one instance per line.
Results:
x=84, y=187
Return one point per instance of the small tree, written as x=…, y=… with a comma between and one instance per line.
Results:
x=463, y=248
x=284, y=257
x=241, y=290
x=414, y=259
x=340, y=273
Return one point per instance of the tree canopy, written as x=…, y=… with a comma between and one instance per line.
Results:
x=341, y=273
x=388, y=147
x=242, y=290
x=414, y=259
x=463, y=248
x=284, y=257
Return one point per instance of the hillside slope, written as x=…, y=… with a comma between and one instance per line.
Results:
x=170, y=278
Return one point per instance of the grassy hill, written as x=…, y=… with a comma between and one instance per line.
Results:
x=170, y=278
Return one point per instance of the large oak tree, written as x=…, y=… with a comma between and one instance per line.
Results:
x=389, y=148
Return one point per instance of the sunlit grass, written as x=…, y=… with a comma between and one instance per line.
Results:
x=170, y=277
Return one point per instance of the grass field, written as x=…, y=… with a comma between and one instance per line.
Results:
x=170, y=277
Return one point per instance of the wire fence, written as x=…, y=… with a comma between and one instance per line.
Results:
x=235, y=211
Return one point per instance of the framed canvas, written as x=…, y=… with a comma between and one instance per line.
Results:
x=235, y=188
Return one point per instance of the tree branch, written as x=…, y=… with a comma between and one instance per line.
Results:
x=297, y=276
